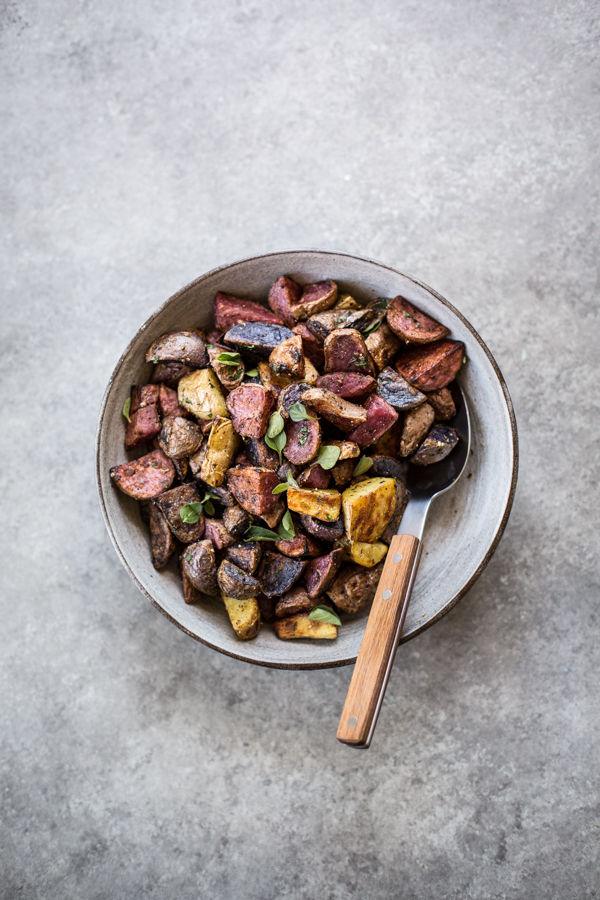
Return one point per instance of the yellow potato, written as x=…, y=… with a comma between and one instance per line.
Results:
x=364, y=554
x=303, y=627
x=368, y=506
x=200, y=393
x=348, y=449
x=346, y=301
x=310, y=373
x=222, y=444
x=320, y=504
x=270, y=379
x=244, y=616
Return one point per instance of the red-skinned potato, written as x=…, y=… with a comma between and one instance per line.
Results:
x=253, y=489
x=313, y=346
x=411, y=325
x=303, y=441
x=283, y=294
x=145, y=477
x=335, y=409
x=380, y=417
x=346, y=351
x=230, y=311
x=432, y=366
x=179, y=346
x=349, y=385
x=250, y=406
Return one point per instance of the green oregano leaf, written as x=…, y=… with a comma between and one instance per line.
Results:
x=229, y=358
x=292, y=481
x=362, y=466
x=256, y=533
x=276, y=424
x=252, y=372
x=277, y=443
x=209, y=508
x=324, y=614
x=328, y=456
x=298, y=412
x=126, y=408
x=190, y=513
x=286, y=528
x=280, y=488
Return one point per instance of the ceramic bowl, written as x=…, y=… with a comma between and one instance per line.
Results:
x=464, y=525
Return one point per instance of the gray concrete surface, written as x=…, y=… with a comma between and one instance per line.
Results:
x=143, y=144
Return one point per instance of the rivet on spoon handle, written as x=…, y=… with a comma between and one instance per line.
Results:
x=381, y=637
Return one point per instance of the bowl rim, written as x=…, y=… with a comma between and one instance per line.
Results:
x=326, y=253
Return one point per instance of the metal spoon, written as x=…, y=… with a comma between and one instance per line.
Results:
x=386, y=619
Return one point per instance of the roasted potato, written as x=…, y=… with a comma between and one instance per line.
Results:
x=230, y=311
x=179, y=346
x=367, y=507
x=145, y=477
x=179, y=437
x=383, y=345
x=244, y=616
x=364, y=554
x=345, y=416
x=222, y=444
x=323, y=505
x=200, y=393
x=355, y=588
x=288, y=357
x=417, y=423
x=303, y=627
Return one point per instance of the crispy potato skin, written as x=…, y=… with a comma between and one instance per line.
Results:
x=283, y=294
x=170, y=504
x=417, y=423
x=380, y=417
x=344, y=415
x=191, y=594
x=244, y=616
x=295, y=601
x=291, y=394
x=215, y=531
x=222, y=444
x=169, y=373
x=383, y=345
x=162, y=543
x=278, y=573
x=368, y=506
x=145, y=477
x=198, y=562
x=144, y=425
x=313, y=347
x=355, y=588
x=322, y=531
x=315, y=298
x=432, y=366
x=440, y=441
x=288, y=358
x=319, y=504
x=395, y=390
x=179, y=438
x=235, y=582
x=443, y=404
x=412, y=325
x=320, y=572
x=300, y=545
x=349, y=385
x=200, y=393
x=315, y=476
x=303, y=627
x=257, y=339
x=179, y=346
x=322, y=324
x=245, y=555
x=236, y=520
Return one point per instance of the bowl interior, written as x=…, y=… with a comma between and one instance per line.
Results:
x=464, y=525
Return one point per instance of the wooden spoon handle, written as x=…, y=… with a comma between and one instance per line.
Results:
x=379, y=643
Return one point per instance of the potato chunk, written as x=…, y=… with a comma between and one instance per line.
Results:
x=200, y=393
x=368, y=506
x=323, y=505
x=303, y=627
x=364, y=554
x=288, y=357
x=244, y=616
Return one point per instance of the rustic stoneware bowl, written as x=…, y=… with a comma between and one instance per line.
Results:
x=463, y=528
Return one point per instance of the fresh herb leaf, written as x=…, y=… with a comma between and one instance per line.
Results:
x=229, y=358
x=190, y=513
x=256, y=533
x=362, y=466
x=298, y=412
x=328, y=456
x=464, y=360
x=286, y=528
x=292, y=481
x=280, y=488
x=324, y=614
x=372, y=327
x=277, y=443
x=276, y=424
x=209, y=508
x=126, y=408
x=252, y=372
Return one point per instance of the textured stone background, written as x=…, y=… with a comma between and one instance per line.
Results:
x=143, y=144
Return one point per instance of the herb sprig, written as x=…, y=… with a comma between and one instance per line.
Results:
x=275, y=437
x=324, y=614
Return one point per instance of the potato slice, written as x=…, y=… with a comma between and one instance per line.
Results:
x=346, y=301
x=288, y=357
x=348, y=449
x=367, y=507
x=320, y=504
x=200, y=393
x=222, y=444
x=244, y=616
x=303, y=627
x=364, y=554
x=310, y=373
